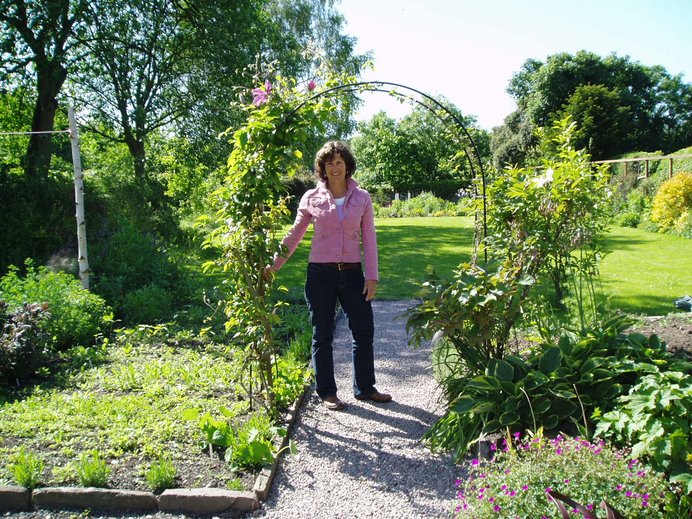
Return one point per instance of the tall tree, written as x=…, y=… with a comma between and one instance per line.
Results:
x=37, y=40
x=132, y=78
x=625, y=105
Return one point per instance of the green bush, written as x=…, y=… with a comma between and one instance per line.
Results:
x=150, y=304
x=129, y=260
x=629, y=219
x=76, y=314
x=425, y=204
x=655, y=418
x=673, y=203
x=24, y=345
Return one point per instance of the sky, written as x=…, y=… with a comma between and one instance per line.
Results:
x=468, y=50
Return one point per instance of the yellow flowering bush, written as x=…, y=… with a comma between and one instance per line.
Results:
x=673, y=203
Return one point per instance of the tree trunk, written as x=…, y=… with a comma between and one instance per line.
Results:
x=50, y=77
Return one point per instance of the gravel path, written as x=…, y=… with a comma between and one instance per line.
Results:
x=368, y=461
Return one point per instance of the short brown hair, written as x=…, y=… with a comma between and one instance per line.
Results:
x=327, y=153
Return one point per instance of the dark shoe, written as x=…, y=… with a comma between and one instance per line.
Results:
x=375, y=396
x=332, y=403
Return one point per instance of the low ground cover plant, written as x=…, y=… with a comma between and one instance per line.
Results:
x=516, y=481
x=130, y=407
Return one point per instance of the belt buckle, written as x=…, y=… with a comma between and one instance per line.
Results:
x=340, y=266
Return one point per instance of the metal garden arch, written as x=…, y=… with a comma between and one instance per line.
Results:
x=443, y=114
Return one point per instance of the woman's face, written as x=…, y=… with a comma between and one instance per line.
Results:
x=335, y=168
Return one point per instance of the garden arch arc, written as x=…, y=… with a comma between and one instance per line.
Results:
x=444, y=114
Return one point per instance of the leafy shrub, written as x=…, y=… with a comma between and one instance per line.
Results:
x=515, y=483
x=558, y=386
x=655, y=419
x=129, y=260
x=629, y=219
x=150, y=304
x=24, y=344
x=425, y=204
x=76, y=314
x=673, y=202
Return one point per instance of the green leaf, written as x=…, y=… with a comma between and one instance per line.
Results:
x=550, y=360
x=541, y=405
x=550, y=421
x=190, y=414
x=563, y=408
x=483, y=383
x=509, y=418
x=503, y=370
x=462, y=404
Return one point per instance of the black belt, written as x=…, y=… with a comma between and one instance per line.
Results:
x=341, y=266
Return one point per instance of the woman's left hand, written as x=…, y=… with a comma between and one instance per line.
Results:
x=370, y=289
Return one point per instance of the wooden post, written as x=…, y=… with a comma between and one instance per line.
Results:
x=646, y=168
x=82, y=257
x=670, y=167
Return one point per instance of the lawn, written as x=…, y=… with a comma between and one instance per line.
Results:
x=646, y=272
x=643, y=274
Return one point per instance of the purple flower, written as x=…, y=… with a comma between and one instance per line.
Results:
x=311, y=85
x=259, y=96
x=517, y=435
x=474, y=461
x=493, y=447
x=525, y=487
x=497, y=508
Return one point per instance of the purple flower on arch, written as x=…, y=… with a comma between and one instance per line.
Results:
x=261, y=95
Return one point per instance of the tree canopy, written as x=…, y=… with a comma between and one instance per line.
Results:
x=619, y=105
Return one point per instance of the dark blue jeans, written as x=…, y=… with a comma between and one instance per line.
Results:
x=323, y=287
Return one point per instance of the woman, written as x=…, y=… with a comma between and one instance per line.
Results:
x=342, y=215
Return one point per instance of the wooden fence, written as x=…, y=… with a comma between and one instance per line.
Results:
x=646, y=160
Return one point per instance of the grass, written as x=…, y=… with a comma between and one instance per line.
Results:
x=406, y=247
x=644, y=273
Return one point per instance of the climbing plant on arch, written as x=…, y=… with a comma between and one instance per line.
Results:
x=251, y=208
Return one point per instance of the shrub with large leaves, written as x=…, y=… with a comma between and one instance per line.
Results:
x=655, y=418
x=557, y=387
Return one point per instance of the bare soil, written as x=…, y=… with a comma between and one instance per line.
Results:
x=673, y=329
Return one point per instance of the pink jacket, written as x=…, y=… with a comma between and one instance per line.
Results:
x=335, y=241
